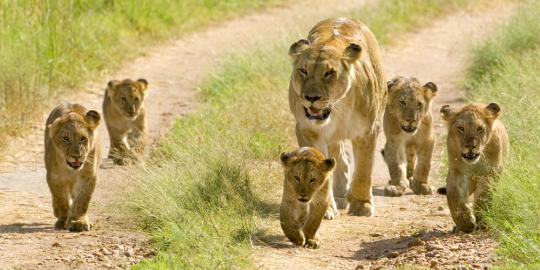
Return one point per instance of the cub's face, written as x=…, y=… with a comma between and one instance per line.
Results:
x=73, y=137
x=470, y=128
x=321, y=76
x=128, y=96
x=306, y=171
x=409, y=101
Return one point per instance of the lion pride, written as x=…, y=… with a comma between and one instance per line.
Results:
x=337, y=92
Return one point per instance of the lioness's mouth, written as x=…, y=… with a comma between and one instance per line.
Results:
x=408, y=129
x=304, y=200
x=75, y=164
x=313, y=113
x=471, y=156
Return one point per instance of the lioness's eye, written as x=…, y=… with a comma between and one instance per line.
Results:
x=83, y=139
x=297, y=178
x=461, y=129
x=480, y=129
x=419, y=105
x=329, y=73
x=66, y=139
x=312, y=180
x=302, y=71
x=124, y=100
x=403, y=103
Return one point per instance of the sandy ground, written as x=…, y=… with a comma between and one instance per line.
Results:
x=411, y=229
x=174, y=71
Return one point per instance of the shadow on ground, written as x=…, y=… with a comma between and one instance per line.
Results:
x=25, y=228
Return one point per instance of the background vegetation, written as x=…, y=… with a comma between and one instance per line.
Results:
x=204, y=195
x=49, y=47
x=506, y=70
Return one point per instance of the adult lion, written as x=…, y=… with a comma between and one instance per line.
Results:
x=337, y=92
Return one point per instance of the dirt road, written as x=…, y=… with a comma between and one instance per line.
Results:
x=411, y=229
x=174, y=71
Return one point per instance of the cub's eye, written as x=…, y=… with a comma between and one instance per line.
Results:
x=297, y=178
x=329, y=74
x=124, y=100
x=402, y=103
x=302, y=71
x=83, y=139
x=480, y=129
x=136, y=100
x=461, y=129
x=66, y=139
x=312, y=180
x=419, y=105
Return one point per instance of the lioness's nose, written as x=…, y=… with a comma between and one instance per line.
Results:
x=312, y=98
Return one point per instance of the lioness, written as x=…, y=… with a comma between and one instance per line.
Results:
x=477, y=149
x=337, y=92
x=305, y=194
x=72, y=157
x=125, y=117
x=408, y=127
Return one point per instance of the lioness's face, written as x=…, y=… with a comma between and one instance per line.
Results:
x=321, y=77
x=470, y=128
x=409, y=102
x=128, y=96
x=73, y=136
x=305, y=174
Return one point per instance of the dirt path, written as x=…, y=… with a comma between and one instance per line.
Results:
x=411, y=229
x=174, y=70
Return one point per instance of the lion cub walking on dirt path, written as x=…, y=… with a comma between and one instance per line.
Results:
x=408, y=127
x=477, y=149
x=125, y=117
x=72, y=157
x=305, y=194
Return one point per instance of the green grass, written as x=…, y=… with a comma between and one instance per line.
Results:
x=50, y=47
x=214, y=184
x=506, y=70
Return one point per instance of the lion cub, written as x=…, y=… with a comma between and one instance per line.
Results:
x=408, y=127
x=123, y=110
x=305, y=194
x=477, y=148
x=72, y=157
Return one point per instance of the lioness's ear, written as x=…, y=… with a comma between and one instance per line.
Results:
x=328, y=165
x=494, y=110
x=447, y=112
x=352, y=52
x=92, y=118
x=298, y=47
x=431, y=89
x=287, y=159
x=143, y=83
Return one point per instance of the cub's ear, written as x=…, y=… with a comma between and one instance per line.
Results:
x=431, y=89
x=92, y=118
x=392, y=83
x=353, y=52
x=287, y=159
x=53, y=127
x=447, y=112
x=298, y=47
x=494, y=110
x=143, y=83
x=328, y=165
x=112, y=84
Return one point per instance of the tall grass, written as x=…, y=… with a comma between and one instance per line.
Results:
x=214, y=180
x=505, y=70
x=48, y=47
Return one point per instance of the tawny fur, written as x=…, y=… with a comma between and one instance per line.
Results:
x=72, y=157
x=408, y=128
x=477, y=149
x=306, y=197
x=338, y=68
x=125, y=117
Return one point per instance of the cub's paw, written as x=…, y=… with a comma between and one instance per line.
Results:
x=79, y=226
x=341, y=202
x=421, y=188
x=331, y=213
x=360, y=208
x=394, y=191
x=60, y=224
x=312, y=244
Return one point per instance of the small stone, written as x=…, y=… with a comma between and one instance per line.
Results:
x=55, y=244
x=433, y=263
x=375, y=234
x=128, y=252
x=416, y=242
x=440, y=208
x=393, y=254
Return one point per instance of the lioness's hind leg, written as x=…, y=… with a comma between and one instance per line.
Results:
x=341, y=174
x=83, y=190
x=360, y=196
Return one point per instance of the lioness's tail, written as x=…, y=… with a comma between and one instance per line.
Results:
x=441, y=190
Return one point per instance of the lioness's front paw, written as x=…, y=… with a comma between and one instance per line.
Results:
x=60, y=224
x=341, y=202
x=331, y=213
x=360, y=208
x=421, y=188
x=79, y=226
x=394, y=191
x=312, y=243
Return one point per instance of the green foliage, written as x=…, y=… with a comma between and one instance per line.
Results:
x=505, y=70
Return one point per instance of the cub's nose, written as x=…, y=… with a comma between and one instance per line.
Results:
x=312, y=98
